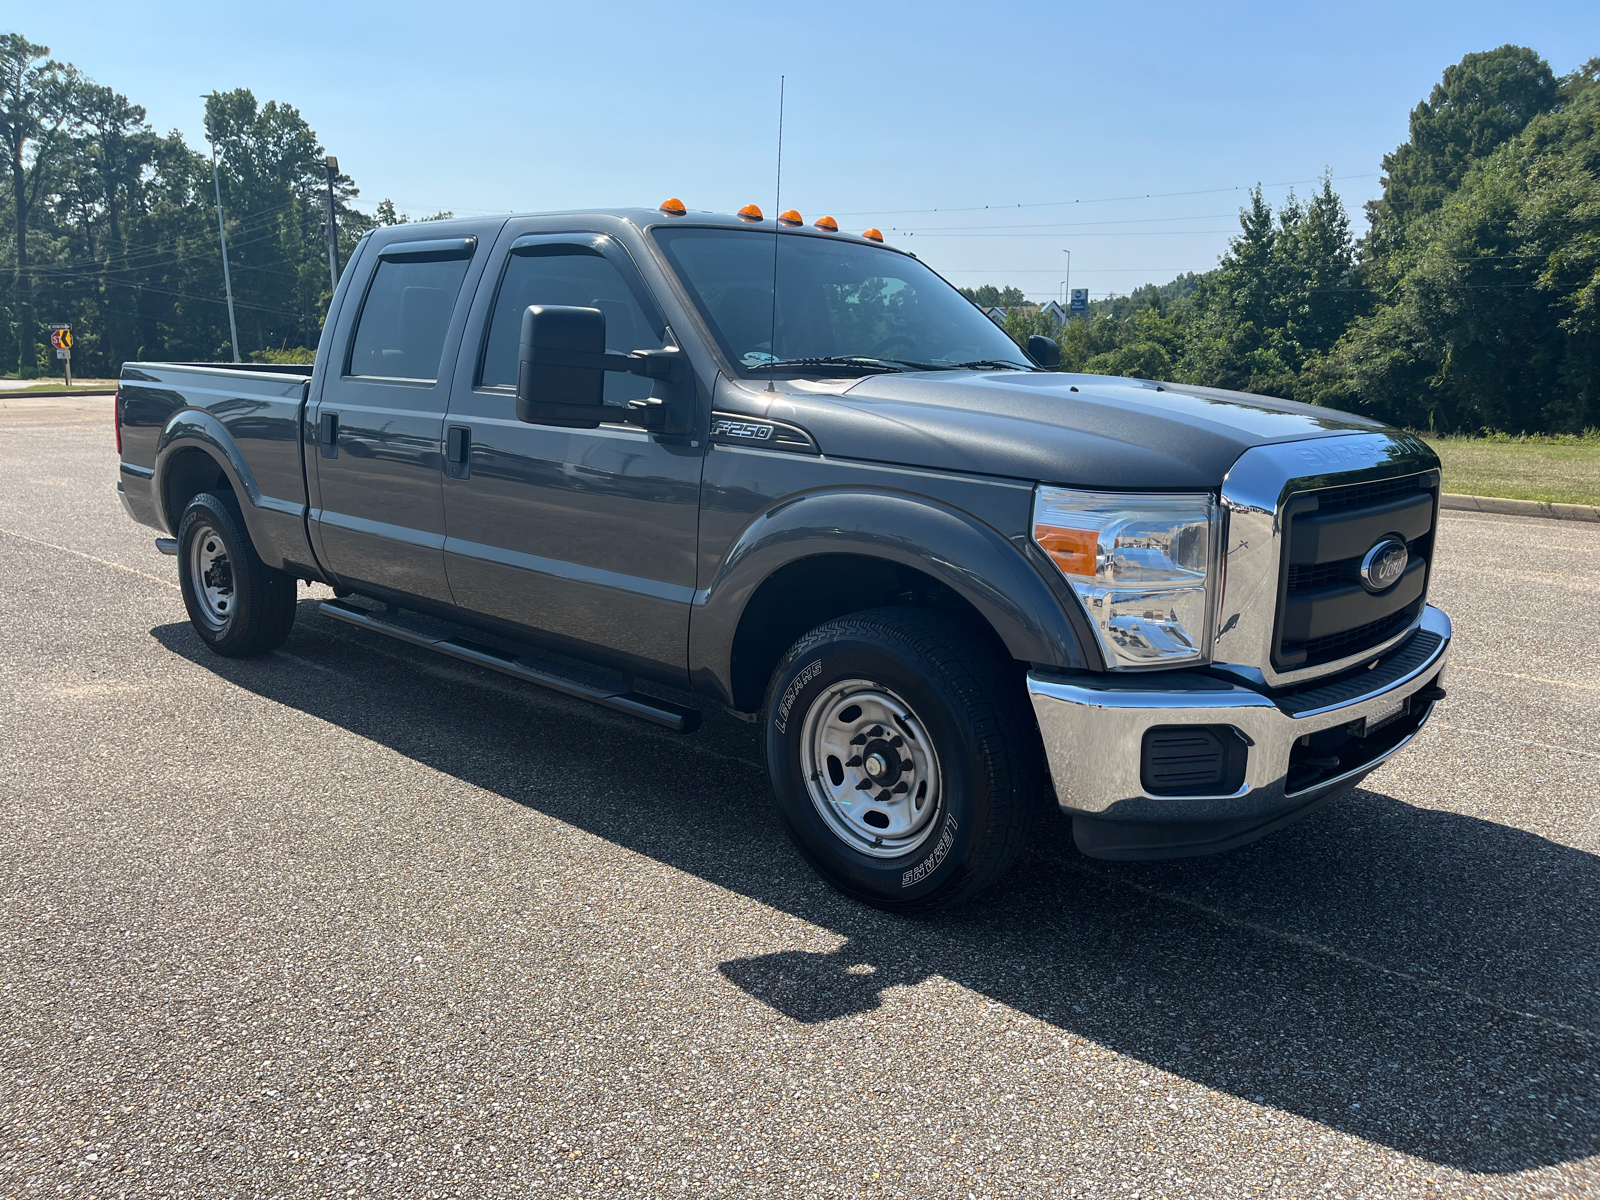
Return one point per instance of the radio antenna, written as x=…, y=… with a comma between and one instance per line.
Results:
x=777, y=209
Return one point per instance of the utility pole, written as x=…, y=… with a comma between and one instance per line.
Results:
x=227, y=280
x=1066, y=284
x=333, y=230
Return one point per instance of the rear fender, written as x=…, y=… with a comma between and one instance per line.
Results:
x=276, y=527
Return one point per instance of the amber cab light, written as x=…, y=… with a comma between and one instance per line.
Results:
x=1075, y=551
x=872, y=235
x=673, y=207
x=827, y=225
x=791, y=218
x=750, y=212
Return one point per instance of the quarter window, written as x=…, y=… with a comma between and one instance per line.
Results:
x=401, y=331
x=573, y=275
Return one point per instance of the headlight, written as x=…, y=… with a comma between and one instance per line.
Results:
x=1144, y=567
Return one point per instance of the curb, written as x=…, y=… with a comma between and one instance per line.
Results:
x=20, y=394
x=1521, y=508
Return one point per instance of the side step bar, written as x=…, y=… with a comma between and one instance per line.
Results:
x=659, y=712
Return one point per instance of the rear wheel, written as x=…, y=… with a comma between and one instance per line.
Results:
x=237, y=604
x=903, y=756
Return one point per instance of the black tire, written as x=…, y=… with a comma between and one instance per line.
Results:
x=237, y=604
x=952, y=699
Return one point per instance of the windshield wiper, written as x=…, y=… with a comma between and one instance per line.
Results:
x=858, y=362
x=986, y=362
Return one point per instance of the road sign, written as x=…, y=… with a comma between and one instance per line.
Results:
x=61, y=339
x=1080, y=300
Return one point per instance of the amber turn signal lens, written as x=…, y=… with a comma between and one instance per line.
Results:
x=750, y=212
x=1075, y=551
x=827, y=225
x=673, y=207
x=872, y=235
x=791, y=219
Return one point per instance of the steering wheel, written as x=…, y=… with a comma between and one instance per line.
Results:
x=898, y=339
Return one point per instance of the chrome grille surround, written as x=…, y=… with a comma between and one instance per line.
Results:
x=1253, y=497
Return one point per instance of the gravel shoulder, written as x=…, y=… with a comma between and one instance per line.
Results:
x=351, y=920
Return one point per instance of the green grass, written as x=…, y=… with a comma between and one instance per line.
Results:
x=1557, y=470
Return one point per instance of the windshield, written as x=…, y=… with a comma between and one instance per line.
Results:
x=843, y=308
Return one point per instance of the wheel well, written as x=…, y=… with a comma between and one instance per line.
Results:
x=802, y=595
x=190, y=472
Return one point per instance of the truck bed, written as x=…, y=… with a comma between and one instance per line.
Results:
x=249, y=414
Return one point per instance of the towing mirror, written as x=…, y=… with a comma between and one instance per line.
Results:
x=561, y=374
x=1044, y=351
x=560, y=366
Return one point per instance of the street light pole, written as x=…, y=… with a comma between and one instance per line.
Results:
x=333, y=230
x=1067, y=283
x=222, y=233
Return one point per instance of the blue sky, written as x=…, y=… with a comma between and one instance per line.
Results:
x=1126, y=134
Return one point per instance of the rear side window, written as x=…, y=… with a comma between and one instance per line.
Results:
x=400, y=333
x=574, y=275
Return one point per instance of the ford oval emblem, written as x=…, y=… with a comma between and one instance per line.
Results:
x=1382, y=566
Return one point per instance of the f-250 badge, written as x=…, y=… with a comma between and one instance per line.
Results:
x=750, y=431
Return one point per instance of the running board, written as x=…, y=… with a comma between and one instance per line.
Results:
x=659, y=712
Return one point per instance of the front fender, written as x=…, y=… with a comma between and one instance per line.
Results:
x=975, y=560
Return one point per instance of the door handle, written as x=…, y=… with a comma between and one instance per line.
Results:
x=457, y=451
x=328, y=434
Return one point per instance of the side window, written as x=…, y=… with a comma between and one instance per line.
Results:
x=400, y=333
x=574, y=275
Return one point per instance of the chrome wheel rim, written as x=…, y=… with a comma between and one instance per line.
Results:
x=871, y=769
x=211, y=576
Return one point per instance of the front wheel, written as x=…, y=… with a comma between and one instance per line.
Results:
x=903, y=757
x=237, y=604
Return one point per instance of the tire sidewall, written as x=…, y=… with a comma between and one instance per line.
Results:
x=203, y=510
x=941, y=863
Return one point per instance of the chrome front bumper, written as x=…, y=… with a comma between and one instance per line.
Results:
x=1094, y=729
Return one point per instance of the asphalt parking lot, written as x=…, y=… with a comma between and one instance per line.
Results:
x=350, y=920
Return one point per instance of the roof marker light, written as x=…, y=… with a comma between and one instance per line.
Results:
x=791, y=218
x=673, y=207
x=750, y=212
x=872, y=235
x=827, y=225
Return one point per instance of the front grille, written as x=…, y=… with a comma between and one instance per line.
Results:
x=1307, y=578
x=1324, y=613
x=1367, y=495
x=1352, y=641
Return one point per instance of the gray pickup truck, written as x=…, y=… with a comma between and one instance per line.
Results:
x=645, y=456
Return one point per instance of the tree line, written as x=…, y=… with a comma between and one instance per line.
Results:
x=1472, y=301
x=113, y=226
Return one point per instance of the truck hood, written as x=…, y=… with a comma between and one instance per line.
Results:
x=1087, y=431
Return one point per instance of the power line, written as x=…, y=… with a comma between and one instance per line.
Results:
x=1106, y=199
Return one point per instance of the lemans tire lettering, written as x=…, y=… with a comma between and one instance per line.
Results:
x=936, y=856
x=810, y=672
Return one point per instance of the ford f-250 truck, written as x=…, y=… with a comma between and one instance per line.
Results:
x=643, y=453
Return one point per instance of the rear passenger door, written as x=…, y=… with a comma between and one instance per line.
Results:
x=586, y=536
x=379, y=420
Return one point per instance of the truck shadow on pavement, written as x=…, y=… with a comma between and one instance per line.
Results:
x=1420, y=979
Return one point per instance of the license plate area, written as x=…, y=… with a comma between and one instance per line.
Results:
x=1385, y=715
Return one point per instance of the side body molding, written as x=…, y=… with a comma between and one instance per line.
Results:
x=975, y=560
x=276, y=524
